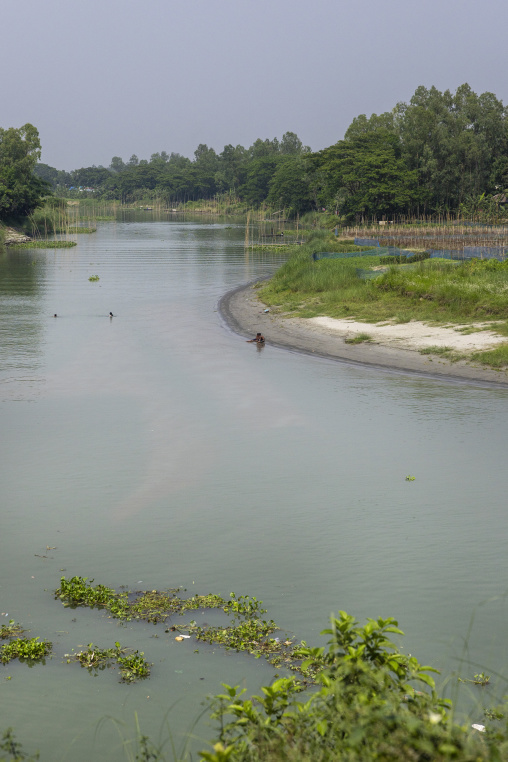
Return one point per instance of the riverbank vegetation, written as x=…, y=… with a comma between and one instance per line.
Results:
x=21, y=189
x=364, y=699
x=44, y=243
x=472, y=294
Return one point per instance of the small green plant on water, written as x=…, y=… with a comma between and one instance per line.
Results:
x=27, y=649
x=244, y=606
x=410, y=478
x=93, y=278
x=132, y=666
x=13, y=749
x=11, y=630
x=78, y=591
x=479, y=679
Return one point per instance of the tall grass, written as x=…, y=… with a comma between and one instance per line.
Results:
x=432, y=290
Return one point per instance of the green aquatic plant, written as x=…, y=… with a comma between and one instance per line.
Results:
x=410, y=478
x=13, y=749
x=93, y=278
x=27, y=649
x=156, y=606
x=132, y=665
x=244, y=606
x=77, y=230
x=44, y=244
x=479, y=679
x=78, y=591
x=11, y=630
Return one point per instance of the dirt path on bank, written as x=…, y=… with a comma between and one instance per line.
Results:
x=393, y=347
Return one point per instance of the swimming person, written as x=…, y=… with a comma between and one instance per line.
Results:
x=111, y=314
x=259, y=339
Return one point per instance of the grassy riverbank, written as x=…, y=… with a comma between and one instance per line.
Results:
x=472, y=293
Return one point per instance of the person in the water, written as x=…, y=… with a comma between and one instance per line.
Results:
x=55, y=315
x=111, y=314
x=258, y=339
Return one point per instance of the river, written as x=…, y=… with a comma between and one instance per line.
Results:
x=157, y=449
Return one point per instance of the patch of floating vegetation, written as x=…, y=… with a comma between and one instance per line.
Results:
x=76, y=230
x=11, y=630
x=25, y=649
x=44, y=244
x=246, y=629
x=132, y=665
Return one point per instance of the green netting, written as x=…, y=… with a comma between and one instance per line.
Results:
x=345, y=254
x=379, y=251
x=472, y=252
x=367, y=242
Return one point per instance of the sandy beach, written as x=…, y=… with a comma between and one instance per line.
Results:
x=392, y=346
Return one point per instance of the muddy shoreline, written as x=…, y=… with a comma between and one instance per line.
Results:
x=243, y=313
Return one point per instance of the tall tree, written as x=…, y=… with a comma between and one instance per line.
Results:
x=291, y=145
x=366, y=177
x=290, y=187
x=206, y=165
x=21, y=191
x=257, y=178
x=117, y=164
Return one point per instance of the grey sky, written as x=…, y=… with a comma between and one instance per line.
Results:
x=104, y=78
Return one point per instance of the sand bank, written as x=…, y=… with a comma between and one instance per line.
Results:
x=392, y=346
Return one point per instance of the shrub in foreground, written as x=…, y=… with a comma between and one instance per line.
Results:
x=366, y=708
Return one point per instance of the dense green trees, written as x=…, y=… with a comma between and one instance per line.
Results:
x=441, y=152
x=366, y=177
x=456, y=146
x=21, y=190
x=289, y=187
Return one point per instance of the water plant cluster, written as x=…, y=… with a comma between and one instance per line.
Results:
x=132, y=665
x=12, y=750
x=44, y=243
x=18, y=647
x=245, y=631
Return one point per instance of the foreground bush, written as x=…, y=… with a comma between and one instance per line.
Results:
x=366, y=708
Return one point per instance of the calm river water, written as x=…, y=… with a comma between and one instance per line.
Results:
x=157, y=449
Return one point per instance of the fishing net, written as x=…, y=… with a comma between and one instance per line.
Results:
x=366, y=242
x=472, y=252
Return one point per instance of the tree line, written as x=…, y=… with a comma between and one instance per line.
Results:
x=250, y=174
x=440, y=153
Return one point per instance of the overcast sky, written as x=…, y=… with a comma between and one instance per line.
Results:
x=104, y=78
